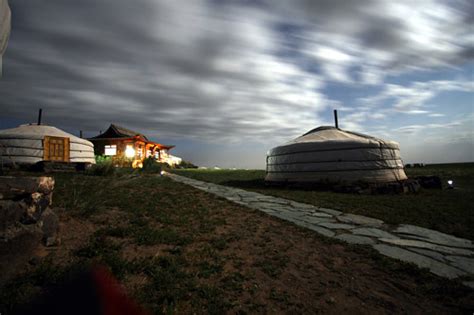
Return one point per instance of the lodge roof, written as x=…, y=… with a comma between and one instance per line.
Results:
x=117, y=132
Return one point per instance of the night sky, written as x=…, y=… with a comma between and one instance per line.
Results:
x=227, y=80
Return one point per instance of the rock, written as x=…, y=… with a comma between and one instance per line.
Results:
x=318, y=229
x=14, y=187
x=373, y=232
x=317, y=220
x=359, y=219
x=355, y=239
x=25, y=220
x=337, y=226
x=52, y=241
x=10, y=213
x=434, y=236
x=421, y=244
x=466, y=264
x=321, y=215
x=50, y=226
x=330, y=211
x=434, y=266
x=288, y=216
x=429, y=253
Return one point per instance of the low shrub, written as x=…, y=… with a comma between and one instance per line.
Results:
x=185, y=164
x=151, y=165
x=103, y=167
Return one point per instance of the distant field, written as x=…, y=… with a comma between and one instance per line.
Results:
x=449, y=211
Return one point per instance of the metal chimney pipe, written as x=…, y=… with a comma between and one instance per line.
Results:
x=335, y=119
x=39, y=116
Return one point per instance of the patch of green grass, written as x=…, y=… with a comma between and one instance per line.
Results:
x=273, y=265
x=280, y=296
x=206, y=269
x=214, y=301
x=166, y=235
x=102, y=250
x=168, y=284
x=447, y=210
x=233, y=282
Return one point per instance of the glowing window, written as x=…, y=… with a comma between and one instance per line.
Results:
x=110, y=149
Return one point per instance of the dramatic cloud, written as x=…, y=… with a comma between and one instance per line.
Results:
x=230, y=75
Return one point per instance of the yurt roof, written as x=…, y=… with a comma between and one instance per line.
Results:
x=333, y=134
x=34, y=131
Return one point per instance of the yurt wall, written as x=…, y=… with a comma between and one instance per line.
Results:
x=30, y=144
x=334, y=155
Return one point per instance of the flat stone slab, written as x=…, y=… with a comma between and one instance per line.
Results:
x=330, y=211
x=359, y=219
x=421, y=244
x=266, y=204
x=373, y=232
x=318, y=229
x=429, y=253
x=289, y=216
x=434, y=236
x=434, y=266
x=317, y=220
x=337, y=226
x=355, y=239
x=466, y=264
x=320, y=215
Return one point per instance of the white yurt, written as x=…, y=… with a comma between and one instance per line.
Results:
x=5, y=26
x=32, y=143
x=329, y=154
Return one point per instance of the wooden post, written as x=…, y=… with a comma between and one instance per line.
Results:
x=80, y=133
x=39, y=116
x=335, y=119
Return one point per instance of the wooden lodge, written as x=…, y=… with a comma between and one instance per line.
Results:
x=121, y=142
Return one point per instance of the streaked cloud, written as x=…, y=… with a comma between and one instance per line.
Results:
x=231, y=72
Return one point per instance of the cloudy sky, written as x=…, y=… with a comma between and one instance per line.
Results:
x=227, y=80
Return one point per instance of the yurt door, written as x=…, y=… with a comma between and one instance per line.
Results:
x=56, y=149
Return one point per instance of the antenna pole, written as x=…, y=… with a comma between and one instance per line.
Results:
x=39, y=116
x=335, y=119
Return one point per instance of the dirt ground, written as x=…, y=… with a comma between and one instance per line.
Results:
x=236, y=260
x=286, y=269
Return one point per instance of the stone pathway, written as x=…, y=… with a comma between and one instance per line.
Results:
x=444, y=255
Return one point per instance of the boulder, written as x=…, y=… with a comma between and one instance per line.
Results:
x=26, y=220
x=18, y=187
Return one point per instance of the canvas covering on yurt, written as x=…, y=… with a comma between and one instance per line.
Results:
x=5, y=27
x=329, y=154
x=25, y=145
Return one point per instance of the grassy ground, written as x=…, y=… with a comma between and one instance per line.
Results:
x=180, y=250
x=449, y=211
